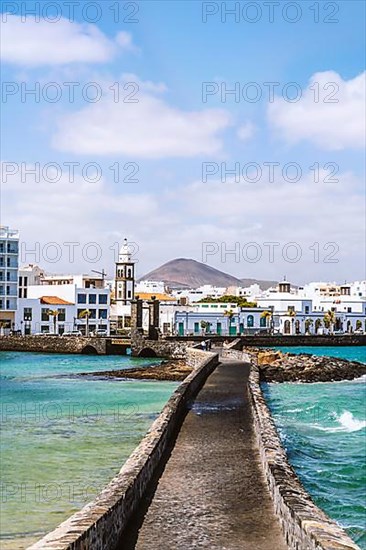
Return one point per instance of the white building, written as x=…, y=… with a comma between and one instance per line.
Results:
x=46, y=315
x=9, y=256
x=190, y=296
x=150, y=287
x=302, y=311
x=124, y=290
x=82, y=303
x=29, y=275
x=222, y=319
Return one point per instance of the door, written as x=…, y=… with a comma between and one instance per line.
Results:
x=181, y=329
x=218, y=329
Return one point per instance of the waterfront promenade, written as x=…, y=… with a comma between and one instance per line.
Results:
x=212, y=493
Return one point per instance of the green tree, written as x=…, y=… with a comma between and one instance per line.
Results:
x=230, y=315
x=204, y=326
x=267, y=315
x=308, y=323
x=329, y=320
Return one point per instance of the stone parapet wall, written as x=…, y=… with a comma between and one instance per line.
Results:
x=233, y=350
x=100, y=524
x=52, y=344
x=305, y=526
x=195, y=357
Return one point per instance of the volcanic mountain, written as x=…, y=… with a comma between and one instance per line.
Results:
x=186, y=273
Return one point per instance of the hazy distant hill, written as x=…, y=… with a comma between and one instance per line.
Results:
x=263, y=284
x=186, y=273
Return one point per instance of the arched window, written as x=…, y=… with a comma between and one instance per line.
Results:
x=129, y=273
x=287, y=327
x=250, y=321
x=263, y=322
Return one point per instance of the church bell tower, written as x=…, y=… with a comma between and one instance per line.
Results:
x=125, y=276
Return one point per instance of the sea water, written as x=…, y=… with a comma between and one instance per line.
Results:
x=64, y=437
x=323, y=428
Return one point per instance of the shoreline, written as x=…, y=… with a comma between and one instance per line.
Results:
x=277, y=366
x=274, y=366
x=174, y=370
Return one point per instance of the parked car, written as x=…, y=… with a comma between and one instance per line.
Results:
x=359, y=331
x=100, y=332
x=72, y=333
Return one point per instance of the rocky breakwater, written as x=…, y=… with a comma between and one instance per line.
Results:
x=275, y=366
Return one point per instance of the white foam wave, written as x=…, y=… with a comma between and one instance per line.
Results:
x=348, y=423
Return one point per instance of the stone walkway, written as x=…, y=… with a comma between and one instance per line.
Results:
x=212, y=493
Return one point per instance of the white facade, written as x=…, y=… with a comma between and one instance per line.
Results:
x=29, y=275
x=9, y=257
x=195, y=295
x=34, y=317
x=125, y=276
x=90, y=296
x=150, y=287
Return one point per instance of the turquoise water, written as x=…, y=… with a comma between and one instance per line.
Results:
x=323, y=428
x=63, y=438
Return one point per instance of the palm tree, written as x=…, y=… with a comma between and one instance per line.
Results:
x=318, y=324
x=85, y=314
x=229, y=314
x=292, y=313
x=267, y=315
x=308, y=323
x=54, y=313
x=329, y=320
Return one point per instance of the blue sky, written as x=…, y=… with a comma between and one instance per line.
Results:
x=170, y=134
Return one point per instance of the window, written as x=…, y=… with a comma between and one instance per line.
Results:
x=263, y=322
x=62, y=314
x=20, y=281
x=19, y=292
x=27, y=314
x=250, y=321
x=307, y=309
x=92, y=298
x=349, y=310
x=103, y=299
x=45, y=329
x=103, y=313
x=129, y=294
x=81, y=298
x=92, y=314
x=290, y=308
x=25, y=281
x=196, y=328
x=25, y=292
x=45, y=315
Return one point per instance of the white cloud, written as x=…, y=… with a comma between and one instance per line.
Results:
x=33, y=43
x=147, y=128
x=179, y=220
x=330, y=113
x=246, y=131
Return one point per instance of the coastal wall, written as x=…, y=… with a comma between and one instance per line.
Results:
x=53, y=344
x=304, y=525
x=100, y=524
x=169, y=349
x=281, y=340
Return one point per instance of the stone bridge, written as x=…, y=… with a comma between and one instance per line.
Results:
x=54, y=344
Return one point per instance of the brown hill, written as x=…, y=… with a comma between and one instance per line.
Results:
x=186, y=273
